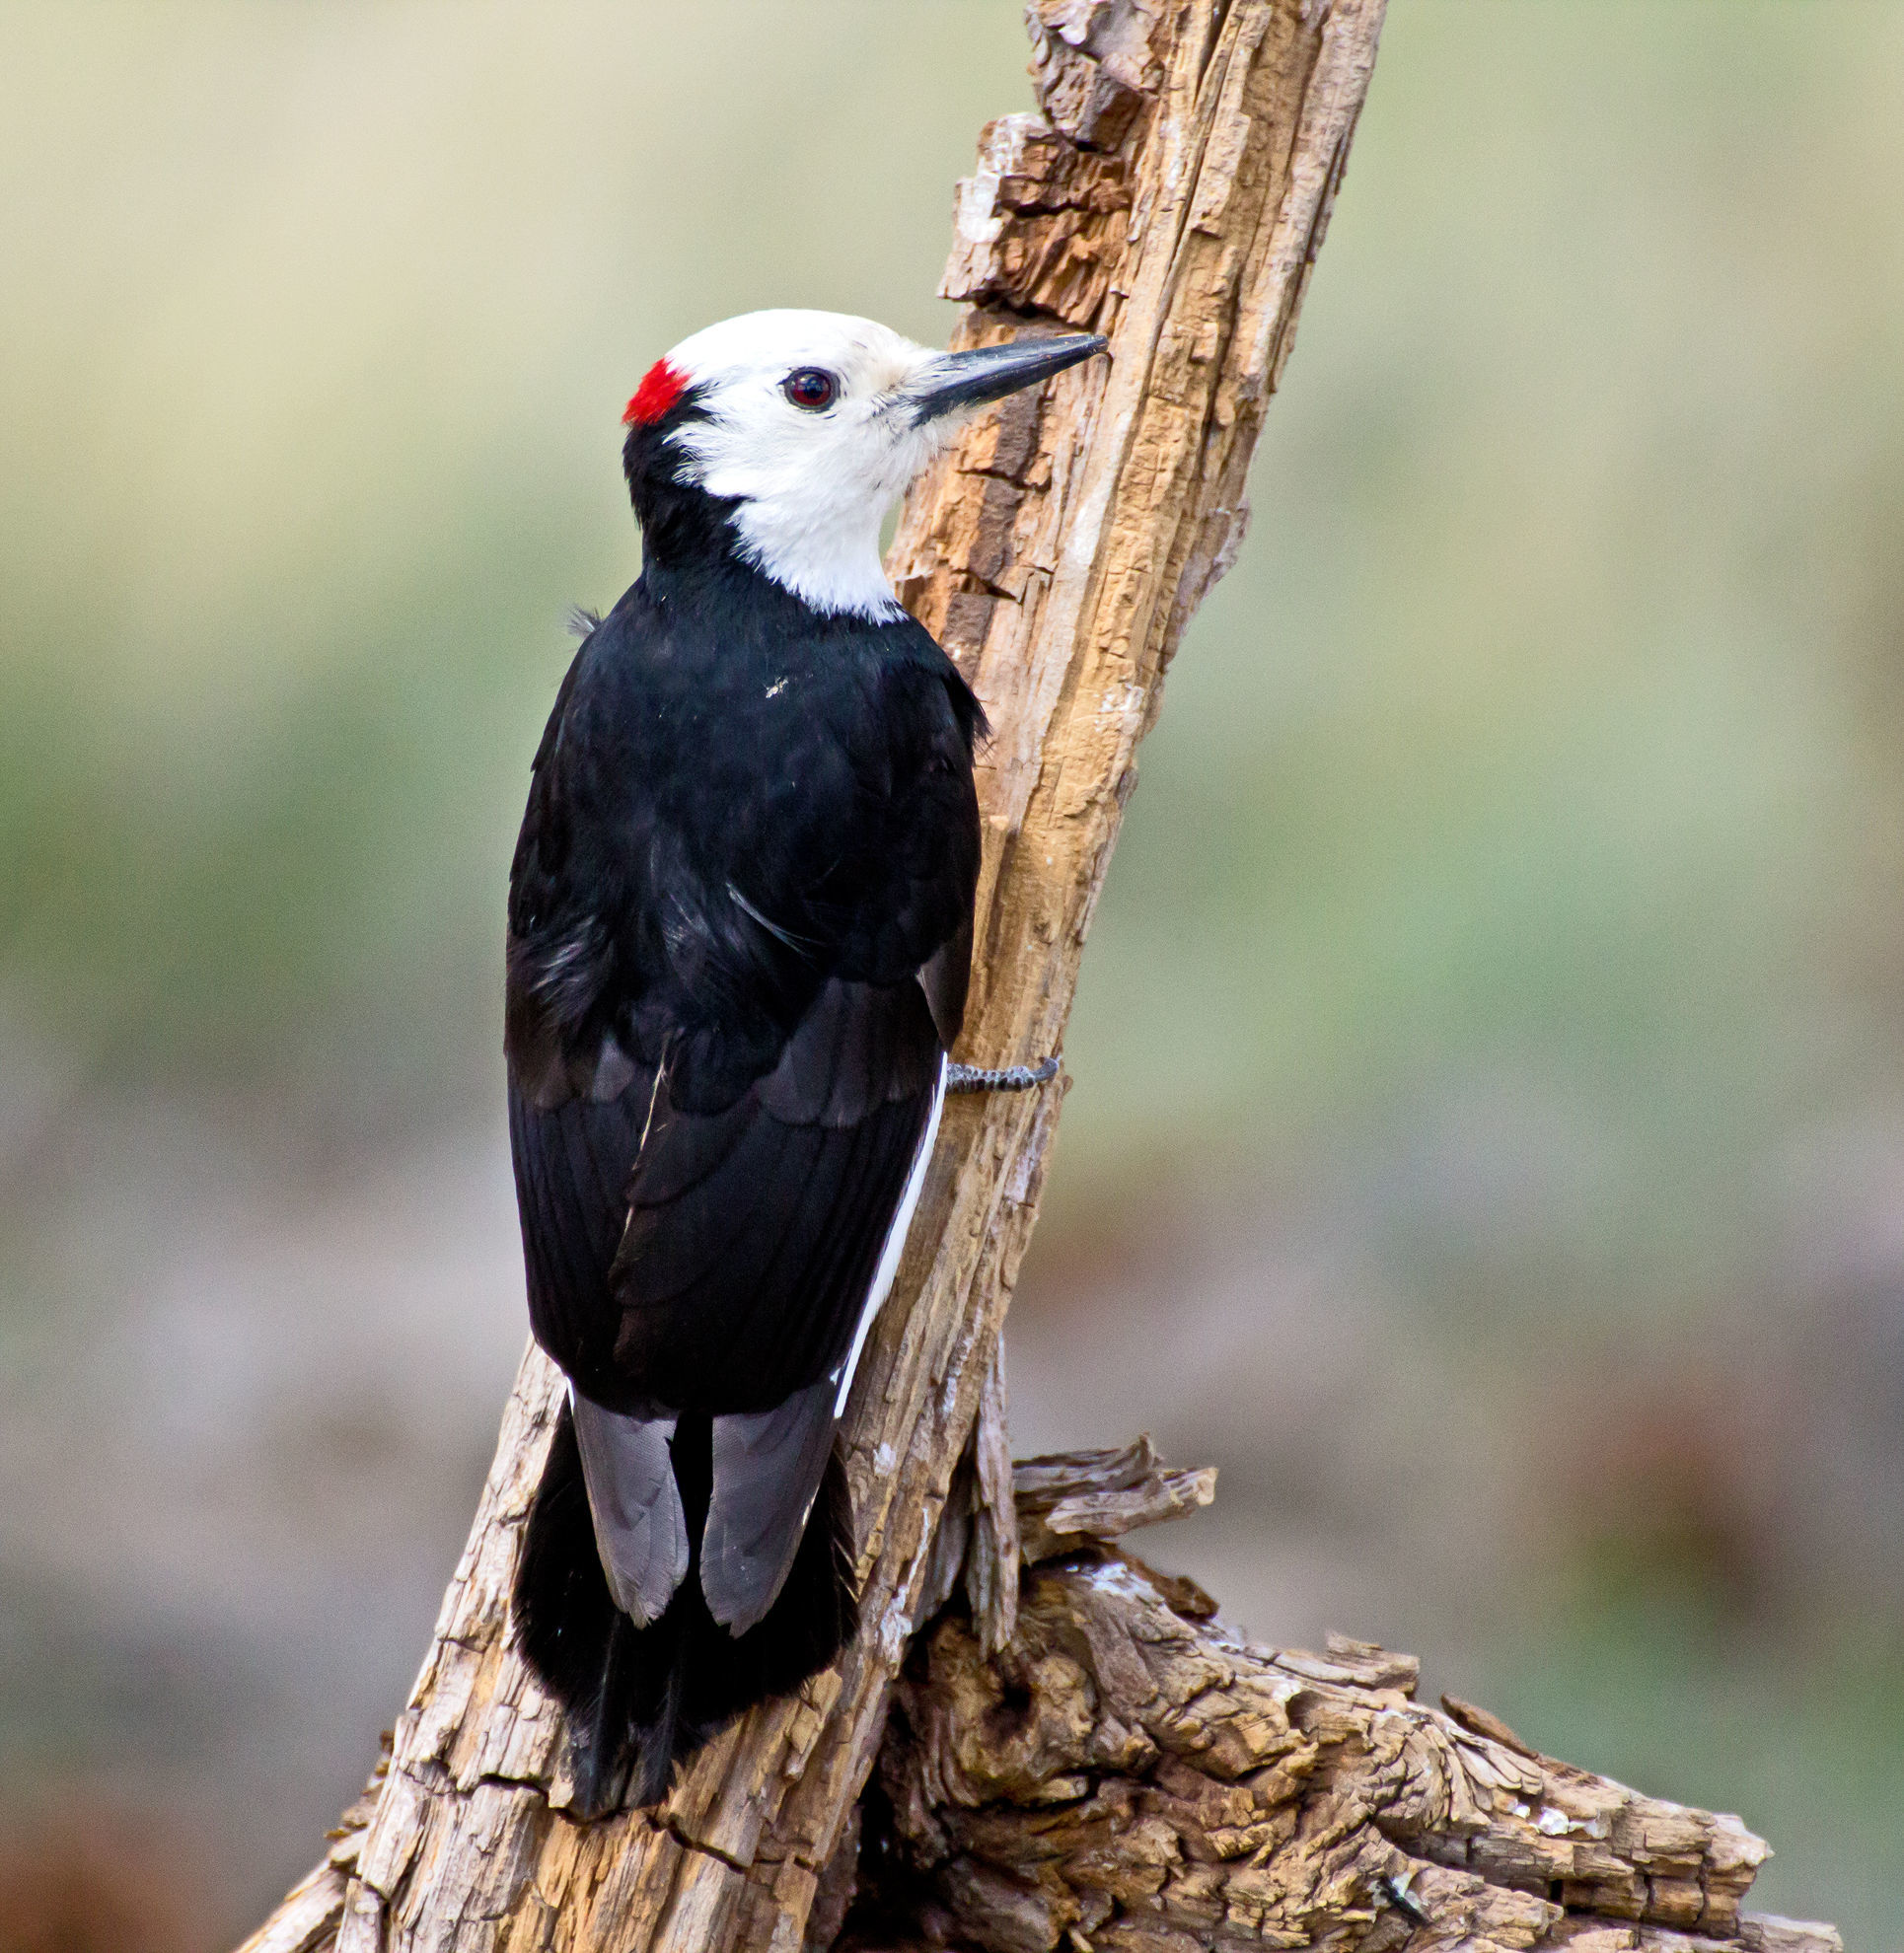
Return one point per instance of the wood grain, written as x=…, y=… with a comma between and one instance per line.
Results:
x=1131, y=1776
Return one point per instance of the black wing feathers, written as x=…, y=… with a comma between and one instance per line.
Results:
x=723, y=1264
x=749, y=1284
x=737, y=861
x=714, y=829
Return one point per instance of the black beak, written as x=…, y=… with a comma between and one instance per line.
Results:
x=989, y=373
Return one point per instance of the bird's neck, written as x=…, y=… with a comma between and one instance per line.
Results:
x=833, y=569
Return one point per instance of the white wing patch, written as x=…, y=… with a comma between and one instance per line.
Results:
x=882, y=1282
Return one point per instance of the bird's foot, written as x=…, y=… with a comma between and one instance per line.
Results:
x=1006, y=1078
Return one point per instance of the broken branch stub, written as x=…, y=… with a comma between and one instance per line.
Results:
x=1131, y=1777
x=1077, y=1496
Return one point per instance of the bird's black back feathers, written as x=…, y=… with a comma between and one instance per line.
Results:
x=736, y=798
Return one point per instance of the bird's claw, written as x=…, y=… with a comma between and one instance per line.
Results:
x=1006, y=1078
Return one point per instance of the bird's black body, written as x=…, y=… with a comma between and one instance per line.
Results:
x=750, y=829
x=739, y=934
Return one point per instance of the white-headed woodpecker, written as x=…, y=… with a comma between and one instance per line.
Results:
x=740, y=930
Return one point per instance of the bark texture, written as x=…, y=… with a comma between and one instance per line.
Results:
x=1171, y=191
x=1128, y=1776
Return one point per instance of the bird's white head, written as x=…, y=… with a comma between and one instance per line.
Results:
x=807, y=427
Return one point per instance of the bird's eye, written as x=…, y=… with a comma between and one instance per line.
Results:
x=812, y=387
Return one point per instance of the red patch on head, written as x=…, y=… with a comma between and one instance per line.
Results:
x=661, y=387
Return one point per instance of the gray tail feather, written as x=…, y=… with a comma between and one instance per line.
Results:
x=766, y=1473
x=640, y=1529
x=641, y=1700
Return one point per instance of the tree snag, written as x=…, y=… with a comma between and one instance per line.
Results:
x=1171, y=192
x=1129, y=1775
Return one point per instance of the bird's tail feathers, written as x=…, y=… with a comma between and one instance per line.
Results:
x=641, y=1700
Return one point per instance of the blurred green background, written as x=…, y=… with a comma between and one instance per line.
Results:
x=1488, y=1138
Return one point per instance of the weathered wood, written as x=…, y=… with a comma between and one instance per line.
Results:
x=1081, y=1495
x=1172, y=194
x=1130, y=1776
x=1125, y=1774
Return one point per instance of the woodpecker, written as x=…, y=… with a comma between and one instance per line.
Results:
x=739, y=941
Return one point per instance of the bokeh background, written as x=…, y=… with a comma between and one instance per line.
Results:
x=1488, y=1139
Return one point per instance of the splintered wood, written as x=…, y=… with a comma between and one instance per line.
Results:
x=1171, y=191
x=1130, y=1776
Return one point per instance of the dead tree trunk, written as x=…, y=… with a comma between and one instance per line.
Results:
x=1172, y=194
